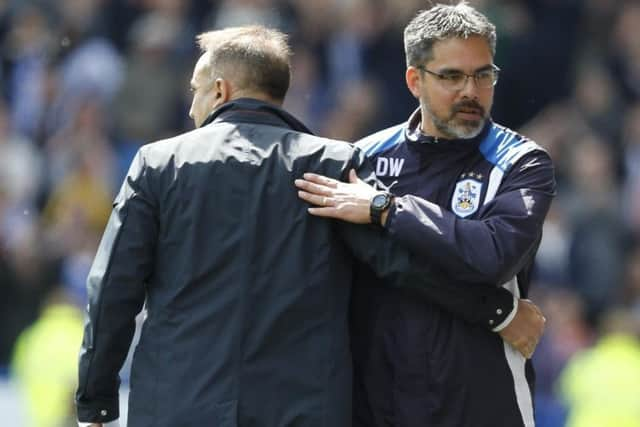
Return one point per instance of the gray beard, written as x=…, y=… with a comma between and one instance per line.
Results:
x=465, y=130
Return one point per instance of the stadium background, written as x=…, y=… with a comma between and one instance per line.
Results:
x=86, y=82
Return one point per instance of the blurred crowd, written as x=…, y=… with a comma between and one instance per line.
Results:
x=86, y=82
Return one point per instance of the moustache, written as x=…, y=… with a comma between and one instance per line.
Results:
x=469, y=107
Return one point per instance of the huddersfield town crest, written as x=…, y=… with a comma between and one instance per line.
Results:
x=466, y=197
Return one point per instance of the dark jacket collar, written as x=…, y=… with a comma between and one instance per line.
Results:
x=413, y=134
x=251, y=110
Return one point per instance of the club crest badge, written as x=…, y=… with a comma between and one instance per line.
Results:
x=466, y=197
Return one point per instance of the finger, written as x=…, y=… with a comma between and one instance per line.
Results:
x=317, y=200
x=532, y=347
x=524, y=343
x=533, y=306
x=313, y=188
x=537, y=309
x=528, y=351
x=310, y=198
x=321, y=179
x=328, y=212
x=353, y=177
x=522, y=350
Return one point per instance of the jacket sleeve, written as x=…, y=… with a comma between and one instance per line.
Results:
x=492, y=248
x=476, y=303
x=116, y=290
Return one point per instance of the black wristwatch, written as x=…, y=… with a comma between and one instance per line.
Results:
x=379, y=204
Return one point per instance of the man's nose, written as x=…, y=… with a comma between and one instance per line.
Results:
x=470, y=88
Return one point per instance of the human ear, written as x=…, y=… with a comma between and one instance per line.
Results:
x=413, y=80
x=223, y=90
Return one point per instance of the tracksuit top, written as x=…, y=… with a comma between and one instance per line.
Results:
x=474, y=208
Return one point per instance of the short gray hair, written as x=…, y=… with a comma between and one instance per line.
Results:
x=255, y=57
x=443, y=22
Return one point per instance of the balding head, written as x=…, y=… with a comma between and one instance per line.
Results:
x=254, y=58
x=237, y=62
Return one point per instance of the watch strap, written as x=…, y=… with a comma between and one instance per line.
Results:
x=376, y=210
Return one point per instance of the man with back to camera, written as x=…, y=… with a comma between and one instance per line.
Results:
x=246, y=294
x=469, y=195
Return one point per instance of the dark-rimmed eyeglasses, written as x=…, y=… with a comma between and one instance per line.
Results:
x=457, y=80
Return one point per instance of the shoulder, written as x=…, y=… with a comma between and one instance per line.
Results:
x=382, y=140
x=504, y=147
x=164, y=149
x=334, y=144
x=300, y=145
x=189, y=147
x=518, y=161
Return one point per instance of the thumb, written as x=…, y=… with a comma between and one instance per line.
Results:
x=353, y=178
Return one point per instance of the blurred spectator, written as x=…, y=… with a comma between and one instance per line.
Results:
x=77, y=209
x=354, y=112
x=88, y=61
x=384, y=60
x=29, y=48
x=601, y=385
x=597, y=103
x=306, y=91
x=144, y=107
x=84, y=144
x=20, y=165
x=233, y=13
x=116, y=19
x=597, y=245
x=631, y=154
x=93, y=66
x=566, y=333
x=345, y=45
x=630, y=296
x=624, y=49
x=597, y=21
x=540, y=50
x=45, y=359
x=552, y=261
x=11, y=306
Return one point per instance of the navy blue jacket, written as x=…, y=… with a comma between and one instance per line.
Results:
x=246, y=293
x=474, y=208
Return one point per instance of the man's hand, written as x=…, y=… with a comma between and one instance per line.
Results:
x=526, y=328
x=335, y=199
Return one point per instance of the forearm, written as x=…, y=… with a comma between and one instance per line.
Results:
x=468, y=250
x=116, y=289
x=116, y=295
x=490, y=249
x=476, y=303
x=494, y=244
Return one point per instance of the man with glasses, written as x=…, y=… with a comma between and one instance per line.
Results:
x=471, y=196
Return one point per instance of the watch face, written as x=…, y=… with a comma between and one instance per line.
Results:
x=379, y=200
